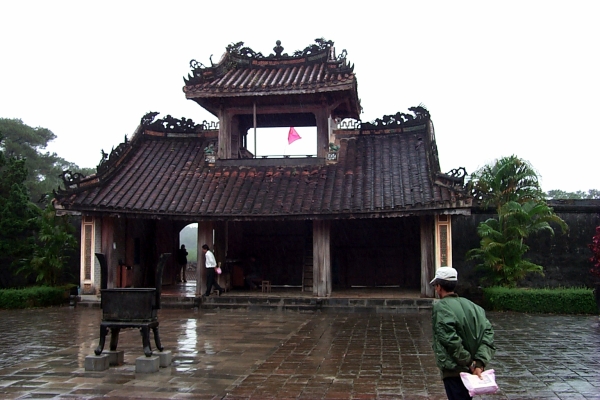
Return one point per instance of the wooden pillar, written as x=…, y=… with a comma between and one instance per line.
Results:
x=205, y=236
x=427, y=255
x=443, y=241
x=108, y=242
x=235, y=141
x=321, y=258
x=91, y=230
x=322, y=118
x=224, y=144
x=119, y=250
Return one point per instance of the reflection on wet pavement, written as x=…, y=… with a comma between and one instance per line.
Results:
x=286, y=355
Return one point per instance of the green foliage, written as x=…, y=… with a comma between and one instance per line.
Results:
x=192, y=255
x=558, y=301
x=508, y=179
x=28, y=240
x=17, y=216
x=43, y=168
x=55, y=241
x=511, y=186
x=502, y=244
x=595, y=259
x=581, y=195
x=41, y=296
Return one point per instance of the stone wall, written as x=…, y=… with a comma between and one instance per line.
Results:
x=565, y=257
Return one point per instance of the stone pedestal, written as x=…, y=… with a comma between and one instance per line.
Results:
x=147, y=365
x=165, y=358
x=97, y=363
x=116, y=357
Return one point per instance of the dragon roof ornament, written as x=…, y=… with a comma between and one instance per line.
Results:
x=239, y=56
x=169, y=124
x=399, y=119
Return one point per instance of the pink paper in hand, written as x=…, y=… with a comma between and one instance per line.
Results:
x=476, y=386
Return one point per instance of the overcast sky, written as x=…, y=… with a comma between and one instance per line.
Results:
x=499, y=78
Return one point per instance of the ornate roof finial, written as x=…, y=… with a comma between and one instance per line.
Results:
x=278, y=49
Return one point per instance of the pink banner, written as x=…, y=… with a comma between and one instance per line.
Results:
x=293, y=136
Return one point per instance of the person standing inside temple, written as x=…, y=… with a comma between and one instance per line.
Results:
x=182, y=261
x=210, y=265
x=463, y=337
x=253, y=276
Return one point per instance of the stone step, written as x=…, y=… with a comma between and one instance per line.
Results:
x=179, y=302
x=394, y=306
x=316, y=304
x=262, y=302
x=165, y=302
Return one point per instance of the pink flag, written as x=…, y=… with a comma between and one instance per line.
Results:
x=293, y=136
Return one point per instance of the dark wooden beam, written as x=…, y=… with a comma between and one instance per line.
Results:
x=427, y=255
x=322, y=258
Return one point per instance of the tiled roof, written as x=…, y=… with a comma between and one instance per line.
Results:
x=243, y=72
x=387, y=173
x=274, y=79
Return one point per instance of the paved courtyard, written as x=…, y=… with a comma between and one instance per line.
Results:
x=288, y=355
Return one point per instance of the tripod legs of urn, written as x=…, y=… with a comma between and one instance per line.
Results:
x=114, y=337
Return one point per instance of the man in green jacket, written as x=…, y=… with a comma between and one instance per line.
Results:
x=463, y=338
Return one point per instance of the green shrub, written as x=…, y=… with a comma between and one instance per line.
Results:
x=557, y=301
x=39, y=296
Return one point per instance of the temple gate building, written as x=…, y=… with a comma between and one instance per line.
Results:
x=369, y=208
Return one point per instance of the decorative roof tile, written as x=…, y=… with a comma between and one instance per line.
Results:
x=243, y=72
x=394, y=173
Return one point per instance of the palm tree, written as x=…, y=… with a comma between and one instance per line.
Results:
x=508, y=179
x=512, y=187
x=502, y=240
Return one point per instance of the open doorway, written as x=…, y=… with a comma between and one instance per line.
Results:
x=187, y=258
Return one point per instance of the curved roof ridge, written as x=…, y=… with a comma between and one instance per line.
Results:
x=237, y=56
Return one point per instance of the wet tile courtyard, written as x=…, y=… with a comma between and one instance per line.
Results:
x=288, y=355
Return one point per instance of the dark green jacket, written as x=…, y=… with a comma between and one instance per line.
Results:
x=461, y=334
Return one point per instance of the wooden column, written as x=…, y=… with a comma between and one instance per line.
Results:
x=443, y=241
x=205, y=236
x=427, y=255
x=91, y=229
x=224, y=144
x=322, y=118
x=321, y=258
x=107, y=244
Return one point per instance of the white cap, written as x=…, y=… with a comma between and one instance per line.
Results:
x=445, y=273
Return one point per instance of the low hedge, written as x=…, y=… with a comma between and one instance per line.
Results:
x=556, y=301
x=39, y=296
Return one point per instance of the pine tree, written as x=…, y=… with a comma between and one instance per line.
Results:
x=17, y=217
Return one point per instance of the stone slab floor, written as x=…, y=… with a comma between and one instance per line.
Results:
x=287, y=355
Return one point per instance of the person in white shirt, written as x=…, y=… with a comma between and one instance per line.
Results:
x=210, y=265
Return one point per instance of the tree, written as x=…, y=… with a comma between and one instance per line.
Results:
x=502, y=245
x=17, y=216
x=507, y=179
x=512, y=187
x=55, y=242
x=581, y=195
x=44, y=168
x=31, y=241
